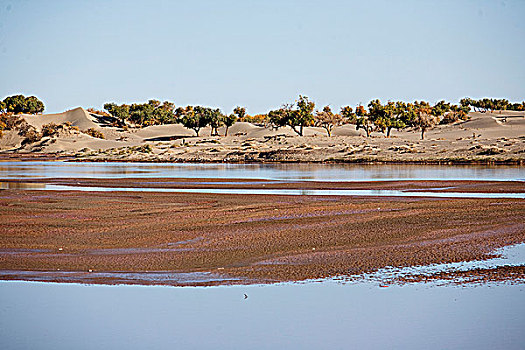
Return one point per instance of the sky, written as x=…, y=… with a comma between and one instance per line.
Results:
x=260, y=54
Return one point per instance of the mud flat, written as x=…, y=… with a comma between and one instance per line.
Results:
x=210, y=239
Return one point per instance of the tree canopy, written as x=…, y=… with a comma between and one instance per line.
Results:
x=297, y=115
x=18, y=104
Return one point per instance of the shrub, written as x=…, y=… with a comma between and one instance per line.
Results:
x=94, y=133
x=31, y=136
x=50, y=129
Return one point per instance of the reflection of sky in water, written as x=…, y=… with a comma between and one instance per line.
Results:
x=289, y=316
x=327, y=172
x=510, y=256
x=291, y=192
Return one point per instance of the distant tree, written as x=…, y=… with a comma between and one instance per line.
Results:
x=2, y=107
x=229, y=120
x=216, y=120
x=164, y=113
x=440, y=108
x=20, y=104
x=194, y=117
x=328, y=120
x=348, y=114
x=297, y=115
x=120, y=112
x=424, y=118
x=240, y=112
x=457, y=112
x=385, y=118
x=142, y=113
x=363, y=121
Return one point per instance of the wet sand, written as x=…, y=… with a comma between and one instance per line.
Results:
x=245, y=238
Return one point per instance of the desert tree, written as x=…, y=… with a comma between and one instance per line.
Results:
x=328, y=120
x=297, y=115
x=216, y=120
x=348, y=114
x=120, y=112
x=18, y=104
x=240, y=112
x=440, y=108
x=229, y=120
x=195, y=117
x=424, y=119
x=363, y=120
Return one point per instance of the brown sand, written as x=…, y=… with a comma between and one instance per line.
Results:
x=259, y=237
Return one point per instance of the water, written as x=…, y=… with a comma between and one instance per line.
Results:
x=259, y=191
x=317, y=172
x=289, y=316
x=314, y=315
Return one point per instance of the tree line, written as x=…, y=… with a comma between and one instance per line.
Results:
x=375, y=117
x=492, y=104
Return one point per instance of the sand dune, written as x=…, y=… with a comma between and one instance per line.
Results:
x=485, y=137
x=78, y=117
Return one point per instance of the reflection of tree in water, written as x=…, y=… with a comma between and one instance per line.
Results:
x=21, y=185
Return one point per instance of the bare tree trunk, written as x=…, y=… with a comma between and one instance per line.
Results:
x=226, y=132
x=422, y=133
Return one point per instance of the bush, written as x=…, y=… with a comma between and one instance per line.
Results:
x=94, y=133
x=50, y=129
x=98, y=112
x=31, y=136
x=142, y=149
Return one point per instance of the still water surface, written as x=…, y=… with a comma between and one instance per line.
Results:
x=318, y=172
x=325, y=315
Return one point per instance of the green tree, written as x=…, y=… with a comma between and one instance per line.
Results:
x=440, y=109
x=363, y=121
x=194, y=117
x=20, y=104
x=240, y=112
x=229, y=120
x=121, y=112
x=216, y=120
x=348, y=115
x=297, y=116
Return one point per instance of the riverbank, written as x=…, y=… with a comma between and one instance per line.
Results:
x=487, y=138
x=242, y=239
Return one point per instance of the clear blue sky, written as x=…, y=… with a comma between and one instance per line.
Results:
x=260, y=54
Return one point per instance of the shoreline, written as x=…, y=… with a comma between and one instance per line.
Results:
x=430, y=161
x=463, y=186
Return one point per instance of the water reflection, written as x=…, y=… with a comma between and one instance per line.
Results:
x=319, y=172
x=289, y=316
x=287, y=192
x=21, y=186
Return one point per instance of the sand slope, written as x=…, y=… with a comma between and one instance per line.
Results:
x=78, y=117
x=485, y=137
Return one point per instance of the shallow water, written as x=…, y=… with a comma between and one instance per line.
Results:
x=317, y=172
x=289, y=316
x=291, y=192
x=508, y=256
